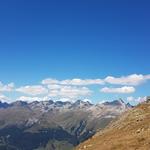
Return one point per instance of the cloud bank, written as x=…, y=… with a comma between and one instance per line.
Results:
x=122, y=90
x=133, y=79
x=74, y=88
x=33, y=90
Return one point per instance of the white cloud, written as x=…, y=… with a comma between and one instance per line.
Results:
x=28, y=99
x=74, y=92
x=82, y=82
x=33, y=90
x=121, y=90
x=6, y=88
x=46, y=98
x=134, y=79
x=75, y=88
x=79, y=82
x=87, y=100
x=130, y=98
x=31, y=99
x=50, y=81
x=54, y=86
x=65, y=100
x=4, y=98
x=136, y=100
x=102, y=101
x=70, y=92
x=54, y=93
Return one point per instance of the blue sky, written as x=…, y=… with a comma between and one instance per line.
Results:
x=68, y=39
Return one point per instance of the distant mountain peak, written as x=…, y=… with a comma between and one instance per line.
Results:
x=3, y=104
x=115, y=102
x=81, y=103
x=19, y=103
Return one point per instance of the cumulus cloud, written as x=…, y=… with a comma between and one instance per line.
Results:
x=136, y=100
x=54, y=86
x=31, y=99
x=4, y=98
x=121, y=90
x=6, y=88
x=102, y=101
x=75, y=88
x=79, y=82
x=50, y=81
x=72, y=89
x=74, y=92
x=82, y=82
x=65, y=100
x=70, y=92
x=133, y=79
x=33, y=90
x=87, y=100
x=54, y=93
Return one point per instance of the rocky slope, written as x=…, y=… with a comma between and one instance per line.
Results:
x=130, y=132
x=49, y=125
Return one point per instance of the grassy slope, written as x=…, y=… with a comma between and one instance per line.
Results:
x=130, y=132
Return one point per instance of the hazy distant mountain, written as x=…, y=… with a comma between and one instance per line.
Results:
x=4, y=105
x=130, y=132
x=49, y=125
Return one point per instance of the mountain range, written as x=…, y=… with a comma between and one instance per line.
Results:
x=54, y=125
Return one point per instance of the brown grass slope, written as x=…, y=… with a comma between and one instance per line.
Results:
x=130, y=132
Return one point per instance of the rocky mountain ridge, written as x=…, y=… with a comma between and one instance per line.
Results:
x=54, y=125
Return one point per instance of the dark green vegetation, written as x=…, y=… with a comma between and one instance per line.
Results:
x=53, y=125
